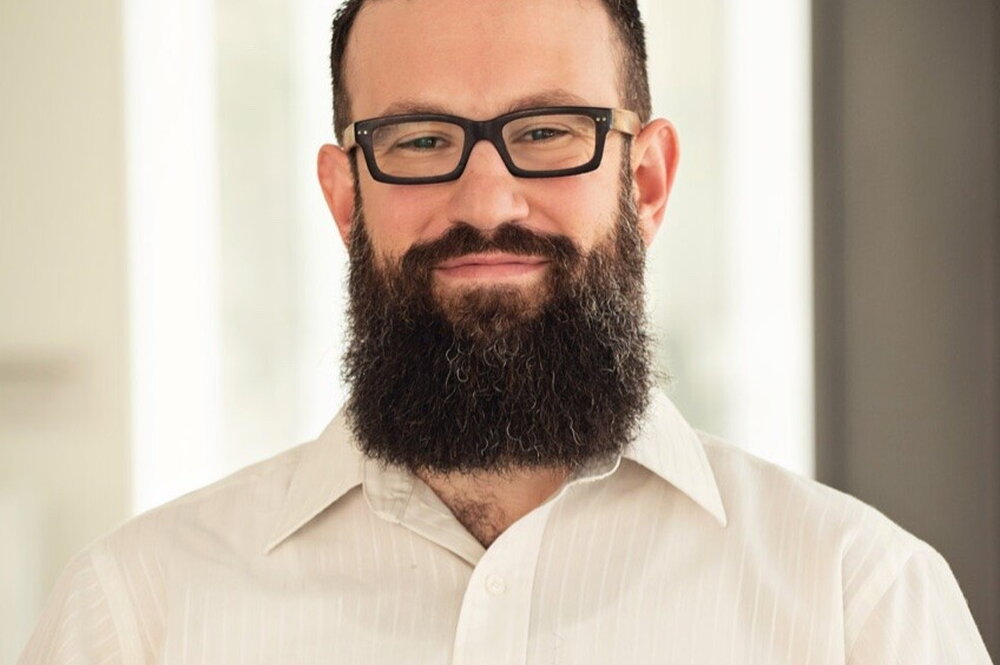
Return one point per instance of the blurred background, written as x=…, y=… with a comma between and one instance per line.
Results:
x=825, y=288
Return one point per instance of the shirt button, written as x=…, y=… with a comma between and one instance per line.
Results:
x=496, y=585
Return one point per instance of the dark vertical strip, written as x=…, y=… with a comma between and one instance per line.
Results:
x=828, y=241
x=991, y=633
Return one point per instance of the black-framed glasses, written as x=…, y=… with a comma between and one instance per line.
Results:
x=548, y=142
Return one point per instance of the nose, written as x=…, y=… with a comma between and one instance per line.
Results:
x=487, y=195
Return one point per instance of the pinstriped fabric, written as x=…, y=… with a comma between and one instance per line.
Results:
x=684, y=550
x=82, y=626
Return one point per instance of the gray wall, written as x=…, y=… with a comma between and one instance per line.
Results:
x=906, y=179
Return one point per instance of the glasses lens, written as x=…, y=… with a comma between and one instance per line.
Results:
x=551, y=142
x=418, y=149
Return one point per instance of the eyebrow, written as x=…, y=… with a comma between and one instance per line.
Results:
x=554, y=97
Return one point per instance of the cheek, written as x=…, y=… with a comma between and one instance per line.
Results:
x=397, y=217
x=581, y=207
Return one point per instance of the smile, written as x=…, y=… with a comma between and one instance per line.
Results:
x=490, y=266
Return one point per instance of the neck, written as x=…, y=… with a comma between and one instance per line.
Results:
x=487, y=503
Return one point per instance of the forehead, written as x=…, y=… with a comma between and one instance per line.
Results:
x=477, y=58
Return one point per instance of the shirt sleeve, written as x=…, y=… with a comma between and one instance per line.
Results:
x=922, y=618
x=87, y=620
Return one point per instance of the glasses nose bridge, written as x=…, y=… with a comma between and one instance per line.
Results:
x=490, y=131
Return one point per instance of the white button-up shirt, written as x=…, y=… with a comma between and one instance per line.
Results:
x=684, y=550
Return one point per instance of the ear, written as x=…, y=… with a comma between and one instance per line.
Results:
x=654, y=162
x=333, y=166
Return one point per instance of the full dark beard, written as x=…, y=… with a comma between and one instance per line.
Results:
x=489, y=379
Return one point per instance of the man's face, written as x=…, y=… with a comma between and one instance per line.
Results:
x=478, y=60
x=540, y=358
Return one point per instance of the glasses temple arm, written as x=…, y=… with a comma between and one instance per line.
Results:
x=626, y=121
x=348, y=141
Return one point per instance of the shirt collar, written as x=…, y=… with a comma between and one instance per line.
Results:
x=328, y=468
x=332, y=465
x=669, y=447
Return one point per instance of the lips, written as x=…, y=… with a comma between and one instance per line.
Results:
x=490, y=266
x=492, y=259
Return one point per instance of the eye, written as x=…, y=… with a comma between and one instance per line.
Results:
x=543, y=134
x=422, y=143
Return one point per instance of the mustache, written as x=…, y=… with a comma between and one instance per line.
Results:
x=509, y=238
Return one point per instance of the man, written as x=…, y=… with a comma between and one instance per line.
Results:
x=504, y=484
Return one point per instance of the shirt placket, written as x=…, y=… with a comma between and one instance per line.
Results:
x=496, y=608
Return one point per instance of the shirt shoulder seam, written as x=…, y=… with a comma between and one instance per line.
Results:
x=893, y=580
x=121, y=609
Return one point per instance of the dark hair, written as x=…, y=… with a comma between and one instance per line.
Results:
x=624, y=16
